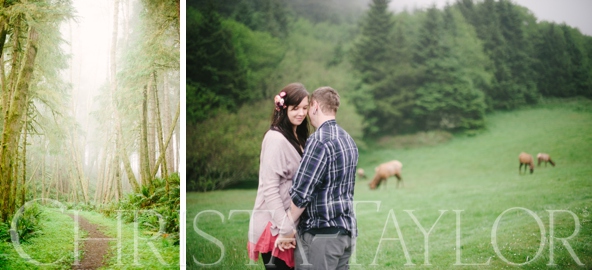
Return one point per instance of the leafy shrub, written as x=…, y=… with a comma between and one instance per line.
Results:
x=152, y=199
x=224, y=150
x=27, y=224
x=4, y=232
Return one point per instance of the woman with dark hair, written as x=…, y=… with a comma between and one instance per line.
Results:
x=281, y=152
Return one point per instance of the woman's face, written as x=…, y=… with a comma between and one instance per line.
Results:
x=297, y=113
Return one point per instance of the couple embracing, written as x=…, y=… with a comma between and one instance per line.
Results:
x=303, y=215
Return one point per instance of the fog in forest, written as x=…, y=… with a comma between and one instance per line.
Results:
x=99, y=115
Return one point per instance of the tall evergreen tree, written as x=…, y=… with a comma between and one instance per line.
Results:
x=371, y=51
x=370, y=58
x=553, y=65
x=395, y=95
x=581, y=75
x=447, y=97
x=214, y=77
x=518, y=58
x=501, y=26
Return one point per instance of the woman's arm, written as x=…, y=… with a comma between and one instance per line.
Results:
x=272, y=168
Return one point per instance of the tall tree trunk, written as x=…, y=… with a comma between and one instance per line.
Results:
x=170, y=135
x=30, y=181
x=43, y=173
x=3, y=32
x=167, y=124
x=61, y=188
x=109, y=175
x=144, y=157
x=157, y=119
x=101, y=176
x=123, y=156
x=77, y=164
x=55, y=181
x=113, y=87
x=73, y=186
x=23, y=180
x=14, y=184
x=151, y=123
x=17, y=107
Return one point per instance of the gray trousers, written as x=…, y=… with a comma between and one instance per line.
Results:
x=323, y=251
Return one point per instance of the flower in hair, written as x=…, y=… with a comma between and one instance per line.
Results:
x=279, y=101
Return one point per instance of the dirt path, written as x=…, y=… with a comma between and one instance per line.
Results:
x=93, y=250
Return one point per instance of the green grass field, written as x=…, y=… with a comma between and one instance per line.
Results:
x=473, y=207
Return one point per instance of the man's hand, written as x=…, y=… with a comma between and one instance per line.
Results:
x=287, y=241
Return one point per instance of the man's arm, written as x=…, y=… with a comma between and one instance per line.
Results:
x=295, y=212
x=287, y=241
x=302, y=189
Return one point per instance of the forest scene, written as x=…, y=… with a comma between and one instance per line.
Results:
x=90, y=134
x=454, y=93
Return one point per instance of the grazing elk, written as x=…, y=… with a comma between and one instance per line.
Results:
x=543, y=157
x=386, y=170
x=360, y=173
x=525, y=159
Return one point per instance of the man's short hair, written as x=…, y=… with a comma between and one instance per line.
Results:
x=327, y=98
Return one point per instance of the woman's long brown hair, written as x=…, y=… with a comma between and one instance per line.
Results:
x=295, y=93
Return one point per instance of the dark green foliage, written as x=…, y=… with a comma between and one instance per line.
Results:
x=259, y=53
x=227, y=64
x=333, y=11
x=223, y=151
x=581, y=77
x=212, y=65
x=370, y=54
x=447, y=97
x=266, y=16
x=27, y=224
x=261, y=15
x=553, y=62
x=502, y=27
x=563, y=66
x=371, y=58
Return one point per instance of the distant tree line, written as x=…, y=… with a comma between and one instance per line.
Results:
x=410, y=71
x=444, y=68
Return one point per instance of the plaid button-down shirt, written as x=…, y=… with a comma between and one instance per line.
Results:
x=324, y=182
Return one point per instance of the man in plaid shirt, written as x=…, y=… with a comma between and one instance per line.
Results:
x=323, y=190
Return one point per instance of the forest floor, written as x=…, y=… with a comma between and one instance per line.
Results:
x=95, y=248
x=58, y=243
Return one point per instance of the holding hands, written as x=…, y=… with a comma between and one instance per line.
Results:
x=287, y=241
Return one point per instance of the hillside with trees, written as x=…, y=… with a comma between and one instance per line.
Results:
x=398, y=72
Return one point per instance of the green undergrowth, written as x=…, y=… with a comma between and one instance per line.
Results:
x=51, y=247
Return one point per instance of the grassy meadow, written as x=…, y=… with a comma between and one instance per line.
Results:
x=473, y=208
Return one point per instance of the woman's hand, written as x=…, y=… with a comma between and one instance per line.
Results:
x=287, y=241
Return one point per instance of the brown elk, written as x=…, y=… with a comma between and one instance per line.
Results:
x=525, y=159
x=543, y=157
x=360, y=173
x=386, y=170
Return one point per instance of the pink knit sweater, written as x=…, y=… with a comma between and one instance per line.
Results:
x=279, y=162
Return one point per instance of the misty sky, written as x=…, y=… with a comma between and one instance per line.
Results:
x=575, y=13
